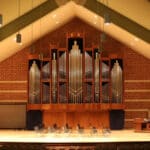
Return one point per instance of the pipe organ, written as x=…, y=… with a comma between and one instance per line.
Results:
x=75, y=79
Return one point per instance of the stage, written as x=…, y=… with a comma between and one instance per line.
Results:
x=24, y=136
x=87, y=140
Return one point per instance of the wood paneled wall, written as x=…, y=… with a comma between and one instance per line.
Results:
x=85, y=119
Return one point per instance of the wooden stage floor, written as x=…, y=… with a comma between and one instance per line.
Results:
x=23, y=136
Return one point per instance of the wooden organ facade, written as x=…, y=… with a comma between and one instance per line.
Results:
x=75, y=84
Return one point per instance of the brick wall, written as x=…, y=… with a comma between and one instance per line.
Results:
x=13, y=76
x=137, y=86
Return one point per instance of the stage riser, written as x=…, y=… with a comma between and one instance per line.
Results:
x=86, y=146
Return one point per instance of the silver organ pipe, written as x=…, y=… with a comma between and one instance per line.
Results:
x=96, y=77
x=116, y=79
x=105, y=71
x=62, y=93
x=105, y=92
x=88, y=75
x=45, y=93
x=62, y=75
x=46, y=71
x=105, y=85
x=34, y=86
x=75, y=74
x=88, y=65
x=54, y=79
x=62, y=66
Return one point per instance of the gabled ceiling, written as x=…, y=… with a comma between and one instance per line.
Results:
x=136, y=10
x=63, y=14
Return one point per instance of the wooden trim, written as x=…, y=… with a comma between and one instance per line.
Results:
x=13, y=91
x=13, y=101
x=6, y=82
x=137, y=100
x=127, y=120
x=135, y=81
x=136, y=109
x=138, y=90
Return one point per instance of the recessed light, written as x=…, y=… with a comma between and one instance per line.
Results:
x=95, y=16
x=1, y=20
x=136, y=39
x=54, y=16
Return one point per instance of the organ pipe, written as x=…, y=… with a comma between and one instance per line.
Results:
x=62, y=65
x=54, y=79
x=34, y=86
x=75, y=74
x=116, y=79
x=97, y=88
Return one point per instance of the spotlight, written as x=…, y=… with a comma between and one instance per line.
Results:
x=18, y=38
x=1, y=20
x=107, y=19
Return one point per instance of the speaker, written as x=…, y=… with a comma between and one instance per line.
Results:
x=34, y=118
x=116, y=119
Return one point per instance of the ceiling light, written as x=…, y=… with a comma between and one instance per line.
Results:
x=54, y=16
x=107, y=19
x=1, y=20
x=96, y=16
x=18, y=35
x=136, y=39
x=18, y=38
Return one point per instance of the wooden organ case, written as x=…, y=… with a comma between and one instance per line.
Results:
x=75, y=85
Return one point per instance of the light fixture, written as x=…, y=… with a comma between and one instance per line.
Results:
x=40, y=47
x=18, y=38
x=1, y=20
x=107, y=19
x=32, y=48
x=18, y=35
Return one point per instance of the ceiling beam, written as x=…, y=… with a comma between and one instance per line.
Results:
x=28, y=18
x=92, y=5
x=118, y=19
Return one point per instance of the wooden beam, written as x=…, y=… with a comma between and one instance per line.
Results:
x=27, y=18
x=118, y=19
